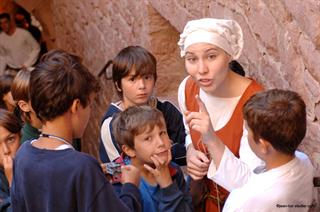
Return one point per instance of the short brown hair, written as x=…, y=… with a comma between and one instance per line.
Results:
x=20, y=85
x=279, y=117
x=131, y=57
x=57, y=80
x=20, y=90
x=133, y=121
x=10, y=121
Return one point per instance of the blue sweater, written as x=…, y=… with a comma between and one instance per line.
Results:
x=5, y=201
x=65, y=180
x=174, y=198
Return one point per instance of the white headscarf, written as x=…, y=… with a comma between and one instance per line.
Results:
x=225, y=34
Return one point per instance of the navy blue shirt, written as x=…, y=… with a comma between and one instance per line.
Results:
x=5, y=200
x=65, y=180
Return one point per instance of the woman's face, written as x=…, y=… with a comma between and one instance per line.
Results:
x=9, y=143
x=208, y=65
x=136, y=90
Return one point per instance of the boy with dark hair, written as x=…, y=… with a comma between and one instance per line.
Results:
x=276, y=124
x=134, y=75
x=142, y=135
x=48, y=174
x=20, y=94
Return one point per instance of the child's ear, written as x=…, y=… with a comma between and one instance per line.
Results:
x=265, y=146
x=128, y=151
x=24, y=106
x=117, y=87
x=75, y=105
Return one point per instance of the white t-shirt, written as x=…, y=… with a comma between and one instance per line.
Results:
x=17, y=50
x=286, y=188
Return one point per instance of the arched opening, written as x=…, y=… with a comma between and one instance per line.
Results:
x=41, y=17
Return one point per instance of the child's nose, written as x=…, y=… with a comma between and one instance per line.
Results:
x=160, y=141
x=142, y=83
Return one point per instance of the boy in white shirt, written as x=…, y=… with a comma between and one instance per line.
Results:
x=276, y=123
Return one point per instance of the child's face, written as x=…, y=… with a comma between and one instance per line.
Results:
x=9, y=143
x=136, y=90
x=152, y=142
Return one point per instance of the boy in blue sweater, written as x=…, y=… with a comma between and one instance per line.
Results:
x=49, y=175
x=142, y=134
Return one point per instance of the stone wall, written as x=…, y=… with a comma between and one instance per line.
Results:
x=282, y=44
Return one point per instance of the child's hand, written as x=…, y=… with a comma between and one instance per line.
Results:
x=130, y=174
x=104, y=168
x=161, y=172
x=8, y=167
x=200, y=121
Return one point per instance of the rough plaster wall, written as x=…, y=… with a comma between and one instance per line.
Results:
x=6, y=6
x=97, y=30
x=282, y=44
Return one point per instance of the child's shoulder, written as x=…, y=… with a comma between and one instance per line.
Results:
x=303, y=159
x=84, y=159
x=81, y=164
x=111, y=110
x=72, y=156
x=167, y=106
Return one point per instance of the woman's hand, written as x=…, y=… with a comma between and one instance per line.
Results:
x=197, y=163
x=200, y=121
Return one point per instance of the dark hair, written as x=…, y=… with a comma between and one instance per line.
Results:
x=133, y=121
x=21, y=11
x=5, y=86
x=9, y=121
x=236, y=67
x=128, y=58
x=57, y=80
x=277, y=116
x=5, y=15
